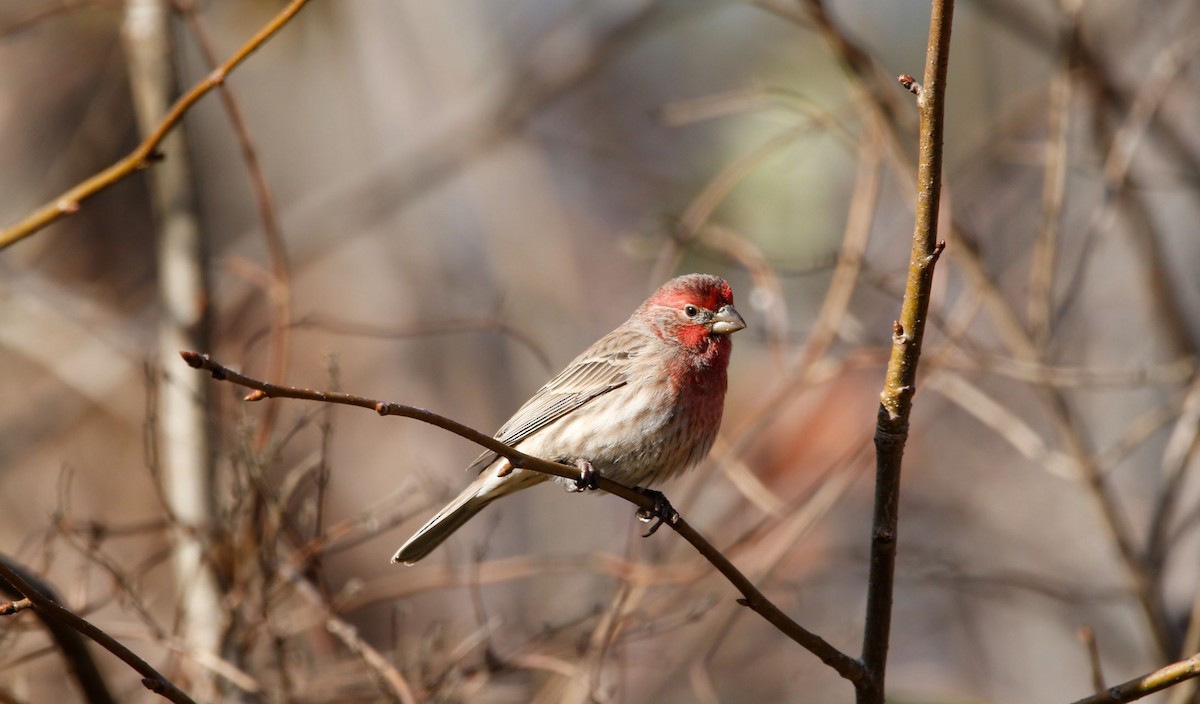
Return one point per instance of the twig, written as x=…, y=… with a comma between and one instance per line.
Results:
x=47, y=607
x=1150, y=599
x=774, y=547
x=856, y=236
x=493, y=322
x=394, y=586
x=743, y=250
x=846, y=666
x=1185, y=693
x=1037, y=373
x=1147, y=684
x=70, y=644
x=857, y=62
x=1066, y=427
x=1145, y=242
x=427, y=167
x=69, y=202
x=1182, y=446
x=9, y=608
x=1113, y=95
x=891, y=430
x=717, y=190
x=279, y=291
x=20, y=24
x=1004, y=422
x=1088, y=638
x=393, y=684
x=1040, y=304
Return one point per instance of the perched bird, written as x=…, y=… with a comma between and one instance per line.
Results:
x=639, y=406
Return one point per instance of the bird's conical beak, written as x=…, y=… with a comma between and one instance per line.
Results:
x=727, y=321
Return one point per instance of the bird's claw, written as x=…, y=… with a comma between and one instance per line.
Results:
x=589, y=477
x=663, y=511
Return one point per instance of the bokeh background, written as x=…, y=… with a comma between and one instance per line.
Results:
x=460, y=196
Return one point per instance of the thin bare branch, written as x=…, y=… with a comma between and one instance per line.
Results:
x=280, y=290
x=1147, y=684
x=70, y=644
x=1088, y=638
x=1045, y=247
x=151, y=678
x=12, y=26
x=846, y=666
x=394, y=685
x=69, y=202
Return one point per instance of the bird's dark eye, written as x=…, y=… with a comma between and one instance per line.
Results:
x=691, y=311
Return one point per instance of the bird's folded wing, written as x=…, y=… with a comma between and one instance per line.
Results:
x=586, y=378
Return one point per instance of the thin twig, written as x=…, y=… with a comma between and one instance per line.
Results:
x=280, y=291
x=1007, y=424
x=20, y=24
x=69, y=202
x=151, y=678
x=1185, y=692
x=1045, y=247
x=70, y=644
x=1182, y=446
x=846, y=666
x=9, y=608
x=1088, y=638
x=493, y=322
x=1145, y=242
x=1147, y=684
x=1037, y=373
x=393, y=684
x=747, y=253
x=857, y=234
x=537, y=84
x=717, y=190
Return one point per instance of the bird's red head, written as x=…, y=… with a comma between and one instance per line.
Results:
x=703, y=290
x=696, y=311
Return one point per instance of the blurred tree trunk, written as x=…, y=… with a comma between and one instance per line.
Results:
x=187, y=472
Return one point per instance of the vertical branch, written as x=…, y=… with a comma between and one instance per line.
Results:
x=891, y=430
x=1088, y=638
x=183, y=294
x=279, y=289
x=1045, y=247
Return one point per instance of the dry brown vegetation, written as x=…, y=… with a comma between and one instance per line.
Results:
x=439, y=204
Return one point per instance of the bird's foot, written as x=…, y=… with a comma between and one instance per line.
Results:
x=663, y=511
x=589, y=477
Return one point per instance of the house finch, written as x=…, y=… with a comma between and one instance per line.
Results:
x=639, y=406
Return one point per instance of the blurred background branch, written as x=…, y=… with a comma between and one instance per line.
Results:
x=79, y=660
x=186, y=461
x=147, y=152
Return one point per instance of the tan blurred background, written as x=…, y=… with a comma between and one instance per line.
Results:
x=468, y=194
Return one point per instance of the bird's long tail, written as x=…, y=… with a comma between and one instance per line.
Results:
x=448, y=520
x=493, y=483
